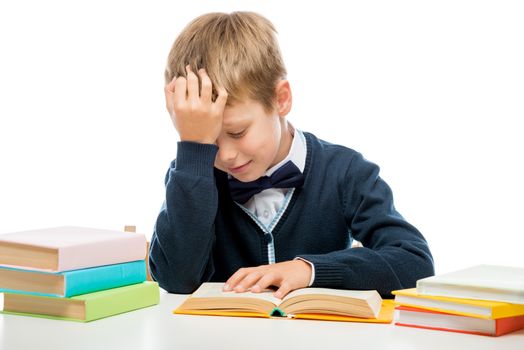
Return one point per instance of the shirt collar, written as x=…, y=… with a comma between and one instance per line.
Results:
x=297, y=152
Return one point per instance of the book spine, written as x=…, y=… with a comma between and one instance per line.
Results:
x=123, y=299
x=104, y=277
x=277, y=312
x=509, y=324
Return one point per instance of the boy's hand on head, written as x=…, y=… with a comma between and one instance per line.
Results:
x=195, y=116
x=287, y=276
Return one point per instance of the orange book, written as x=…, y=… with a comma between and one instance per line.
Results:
x=420, y=318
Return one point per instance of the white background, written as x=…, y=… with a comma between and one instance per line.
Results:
x=431, y=91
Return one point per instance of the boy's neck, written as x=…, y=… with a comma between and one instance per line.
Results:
x=286, y=139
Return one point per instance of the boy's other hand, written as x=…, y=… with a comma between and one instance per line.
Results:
x=195, y=116
x=287, y=276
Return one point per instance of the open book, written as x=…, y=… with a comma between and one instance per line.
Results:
x=310, y=303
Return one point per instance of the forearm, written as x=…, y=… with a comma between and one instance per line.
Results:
x=181, y=246
x=395, y=254
x=385, y=269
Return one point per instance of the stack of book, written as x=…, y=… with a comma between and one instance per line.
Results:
x=484, y=299
x=74, y=273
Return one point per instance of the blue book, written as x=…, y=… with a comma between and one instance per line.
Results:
x=71, y=283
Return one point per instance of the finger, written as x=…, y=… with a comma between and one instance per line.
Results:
x=269, y=279
x=169, y=92
x=192, y=85
x=207, y=86
x=235, y=278
x=179, y=96
x=248, y=281
x=170, y=87
x=221, y=100
x=283, y=290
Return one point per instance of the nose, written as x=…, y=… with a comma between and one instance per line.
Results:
x=227, y=153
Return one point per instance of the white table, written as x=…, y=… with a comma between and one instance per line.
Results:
x=157, y=328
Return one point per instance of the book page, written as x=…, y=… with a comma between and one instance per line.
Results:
x=214, y=290
x=356, y=294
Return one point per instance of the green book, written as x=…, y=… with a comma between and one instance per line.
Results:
x=85, y=307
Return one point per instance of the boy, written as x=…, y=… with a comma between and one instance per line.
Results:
x=255, y=203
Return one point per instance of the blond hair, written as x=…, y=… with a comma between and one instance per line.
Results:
x=239, y=51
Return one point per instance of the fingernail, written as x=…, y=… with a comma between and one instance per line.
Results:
x=278, y=295
x=239, y=289
x=227, y=288
x=255, y=288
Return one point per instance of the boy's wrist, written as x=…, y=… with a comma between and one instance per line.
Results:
x=312, y=276
x=196, y=158
x=204, y=141
x=328, y=274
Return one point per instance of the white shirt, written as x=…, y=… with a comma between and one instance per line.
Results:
x=266, y=204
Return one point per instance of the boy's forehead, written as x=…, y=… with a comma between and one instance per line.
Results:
x=237, y=113
x=235, y=119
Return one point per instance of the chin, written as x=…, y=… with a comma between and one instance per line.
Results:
x=244, y=177
x=251, y=176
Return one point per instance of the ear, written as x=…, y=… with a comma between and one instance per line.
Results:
x=284, y=99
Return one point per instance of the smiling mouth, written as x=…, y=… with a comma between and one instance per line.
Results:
x=239, y=168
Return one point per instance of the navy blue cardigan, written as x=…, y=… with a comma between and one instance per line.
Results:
x=202, y=235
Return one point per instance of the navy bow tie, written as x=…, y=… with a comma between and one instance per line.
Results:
x=287, y=176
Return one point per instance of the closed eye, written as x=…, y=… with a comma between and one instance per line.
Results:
x=236, y=135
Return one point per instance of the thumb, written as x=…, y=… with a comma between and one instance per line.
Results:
x=221, y=100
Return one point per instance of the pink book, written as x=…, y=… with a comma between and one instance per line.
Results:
x=69, y=248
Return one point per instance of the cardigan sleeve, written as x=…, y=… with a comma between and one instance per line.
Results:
x=180, y=257
x=395, y=254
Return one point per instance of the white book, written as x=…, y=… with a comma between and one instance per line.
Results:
x=482, y=282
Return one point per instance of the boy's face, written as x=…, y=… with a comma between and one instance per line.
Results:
x=251, y=140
